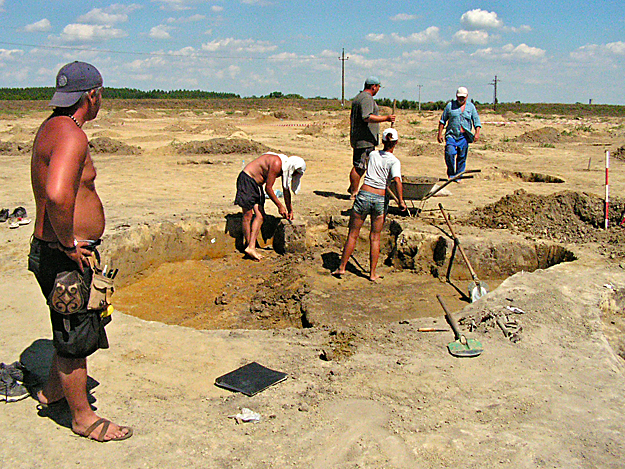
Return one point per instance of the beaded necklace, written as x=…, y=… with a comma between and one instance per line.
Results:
x=74, y=119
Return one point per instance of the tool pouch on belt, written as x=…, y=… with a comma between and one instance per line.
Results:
x=69, y=295
x=102, y=289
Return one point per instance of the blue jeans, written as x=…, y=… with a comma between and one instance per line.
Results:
x=456, y=155
x=368, y=203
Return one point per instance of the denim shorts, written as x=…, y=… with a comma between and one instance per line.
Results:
x=368, y=203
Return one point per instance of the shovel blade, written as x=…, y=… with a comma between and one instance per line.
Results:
x=472, y=348
x=477, y=290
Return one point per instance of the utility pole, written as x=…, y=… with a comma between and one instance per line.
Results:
x=494, y=83
x=419, y=86
x=342, y=58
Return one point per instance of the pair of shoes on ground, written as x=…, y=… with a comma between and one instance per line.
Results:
x=12, y=382
x=15, y=218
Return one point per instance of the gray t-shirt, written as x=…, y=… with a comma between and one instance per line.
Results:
x=363, y=134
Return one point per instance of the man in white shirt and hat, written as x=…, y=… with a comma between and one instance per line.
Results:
x=264, y=171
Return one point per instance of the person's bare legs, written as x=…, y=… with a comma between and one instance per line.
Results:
x=252, y=221
x=69, y=377
x=52, y=391
x=374, y=239
x=355, y=224
x=354, y=180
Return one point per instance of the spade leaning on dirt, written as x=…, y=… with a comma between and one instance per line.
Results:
x=392, y=396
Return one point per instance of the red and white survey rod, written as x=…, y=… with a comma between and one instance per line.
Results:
x=607, y=188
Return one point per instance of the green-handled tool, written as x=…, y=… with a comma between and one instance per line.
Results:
x=461, y=347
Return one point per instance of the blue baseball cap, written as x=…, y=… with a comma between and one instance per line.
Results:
x=372, y=80
x=72, y=81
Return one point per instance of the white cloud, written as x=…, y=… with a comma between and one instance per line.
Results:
x=510, y=52
x=10, y=54
x=173, y=5
x=362, y=50
x=160, y=32
x=480, y=19
x=617, y=48
x=110, y=15
x=403, y=17
x=217, y=8
x=375, y=37
x=40, y=26
x=471, y=37
x=428, y=35
x=260, y=3
x=239, y=45
x=90, y=32
x=422, y=55
x=520, y=29
x=285, y=56
x=597, y=51
x=187, y=19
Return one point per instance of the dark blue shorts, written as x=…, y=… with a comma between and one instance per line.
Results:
x=77, y=335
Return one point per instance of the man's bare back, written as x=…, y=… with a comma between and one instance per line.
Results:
x=266, y=168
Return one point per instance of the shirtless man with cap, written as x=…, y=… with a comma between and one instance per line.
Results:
x=264, y=170
x=69, y=224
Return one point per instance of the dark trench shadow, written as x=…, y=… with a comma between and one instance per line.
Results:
x=331, y=261
x=234, y=228
x=332, y=194
x=37, y=361
x=463, y=295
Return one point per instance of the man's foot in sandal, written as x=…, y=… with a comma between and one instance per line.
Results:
x=376, y=278
x=103, y=430
x=338, y=274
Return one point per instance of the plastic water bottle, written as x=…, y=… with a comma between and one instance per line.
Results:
x=278, y=193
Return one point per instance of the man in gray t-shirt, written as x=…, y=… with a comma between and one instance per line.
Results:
x=364, y=130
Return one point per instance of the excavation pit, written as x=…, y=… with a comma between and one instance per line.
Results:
x=191, y=274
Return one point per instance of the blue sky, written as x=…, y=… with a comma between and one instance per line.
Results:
x=540, y=51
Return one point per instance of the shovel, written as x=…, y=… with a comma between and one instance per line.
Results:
x=477, y=289
x=461, y=347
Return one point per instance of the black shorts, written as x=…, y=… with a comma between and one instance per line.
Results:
x=249, y=193
x=77, y=335
x=360, y=157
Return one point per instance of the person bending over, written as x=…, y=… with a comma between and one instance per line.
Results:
x=264, y=171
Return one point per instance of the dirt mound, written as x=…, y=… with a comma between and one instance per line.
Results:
x=619, y=154
x=221, y=146
x=108, y=145
x=13, y=148
x=426, y=149
x=564, y=216
x=290, y=114
x=542, y=135
x=314, y=130
x=212, y=128
x=506, y=147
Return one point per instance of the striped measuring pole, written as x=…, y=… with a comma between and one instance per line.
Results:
x=607, y=188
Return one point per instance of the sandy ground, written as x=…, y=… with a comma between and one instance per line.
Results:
x=391, y=396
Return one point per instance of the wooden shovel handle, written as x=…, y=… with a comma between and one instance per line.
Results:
x=450, y=319
x=457, y=241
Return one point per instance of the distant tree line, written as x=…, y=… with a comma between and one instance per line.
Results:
x=407, y=104
x=45, y=93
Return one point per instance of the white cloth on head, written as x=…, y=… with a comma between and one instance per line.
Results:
x=293, y=168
